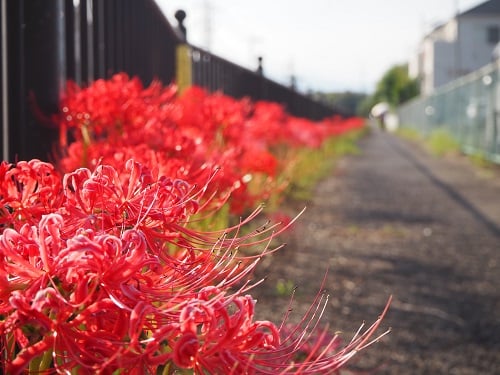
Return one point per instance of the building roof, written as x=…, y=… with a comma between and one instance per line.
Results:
x=487, y=8
x=490, y=7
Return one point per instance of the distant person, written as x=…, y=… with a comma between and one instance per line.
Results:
x=379, y=111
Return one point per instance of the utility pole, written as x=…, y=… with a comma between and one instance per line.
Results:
x=207, y=10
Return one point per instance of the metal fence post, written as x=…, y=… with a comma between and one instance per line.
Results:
x=4, y=136
x=36, y=60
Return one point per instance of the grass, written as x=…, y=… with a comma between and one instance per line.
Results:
x=409, y=134
x=486, y=167
x=439, y=142
x=284, y=288
x=309, y=166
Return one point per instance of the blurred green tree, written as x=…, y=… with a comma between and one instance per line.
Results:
x=395, y=87
x=347, y=102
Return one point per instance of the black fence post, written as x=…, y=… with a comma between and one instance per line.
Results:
x=36, y=74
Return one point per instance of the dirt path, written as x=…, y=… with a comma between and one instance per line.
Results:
x=394, y=220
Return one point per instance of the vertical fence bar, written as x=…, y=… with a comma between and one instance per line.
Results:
x=88, y=43
x=5, y=83
x=74, y=39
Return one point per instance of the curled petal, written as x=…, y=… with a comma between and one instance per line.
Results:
x=185, y=350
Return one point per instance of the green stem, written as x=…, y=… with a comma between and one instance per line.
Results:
x=46, y=361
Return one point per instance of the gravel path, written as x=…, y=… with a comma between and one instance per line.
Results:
x=394, y=220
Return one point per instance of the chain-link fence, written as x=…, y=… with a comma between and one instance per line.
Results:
x=468, y=108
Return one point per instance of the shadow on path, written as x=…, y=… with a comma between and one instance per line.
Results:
x=448, y=189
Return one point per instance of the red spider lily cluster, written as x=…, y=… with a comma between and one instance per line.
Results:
x=187, y=136
x=99, y=270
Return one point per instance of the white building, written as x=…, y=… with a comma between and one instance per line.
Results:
x=460, y=46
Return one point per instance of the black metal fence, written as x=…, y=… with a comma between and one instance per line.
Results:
x=217, y=74
x=46, y=42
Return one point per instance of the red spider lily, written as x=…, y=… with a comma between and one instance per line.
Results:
x=108, y=278
x=27, y=191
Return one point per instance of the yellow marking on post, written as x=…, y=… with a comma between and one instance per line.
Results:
x=183, y=67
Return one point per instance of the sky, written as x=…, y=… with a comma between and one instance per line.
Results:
x=328, y=45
